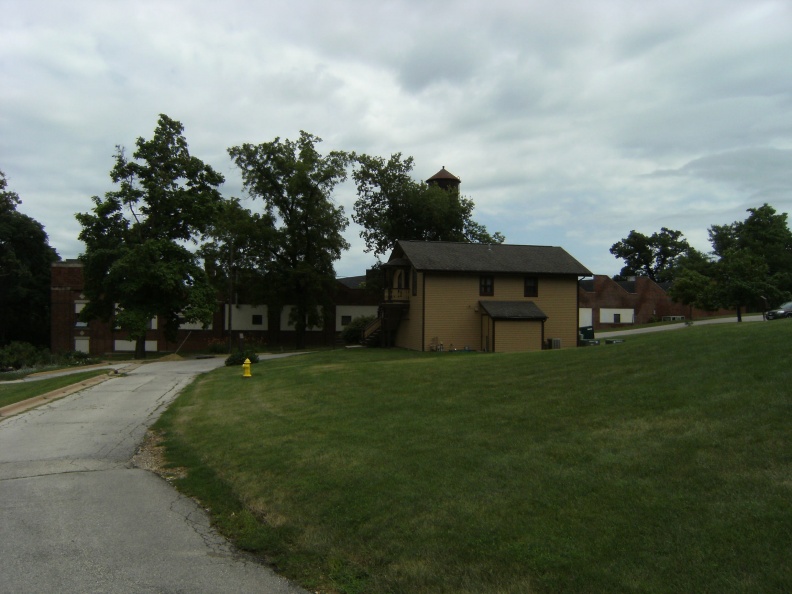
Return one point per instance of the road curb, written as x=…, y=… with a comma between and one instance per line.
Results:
x=25, y=405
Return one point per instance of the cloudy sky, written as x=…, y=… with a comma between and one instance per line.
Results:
x=570, y=123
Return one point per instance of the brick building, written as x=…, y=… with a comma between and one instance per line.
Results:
x=249, y=324
x=605, y=303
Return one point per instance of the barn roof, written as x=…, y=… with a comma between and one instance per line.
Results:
x=480, y=257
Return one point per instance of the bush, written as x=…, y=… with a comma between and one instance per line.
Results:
x=76, y=358
x=238, y=358
x=354, y=330
x=17, y=355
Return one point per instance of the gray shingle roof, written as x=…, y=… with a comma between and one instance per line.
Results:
x=513, y=310
x=478, y=257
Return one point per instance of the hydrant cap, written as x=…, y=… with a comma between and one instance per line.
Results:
x=247, y=362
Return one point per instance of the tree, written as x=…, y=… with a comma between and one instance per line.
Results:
x=238, y=253
x=136, y=264
x=652, y=256
x=296, y=183
x=754, y=259
x=766, y=235
x=751, y=265
x=25, y=261
x=392, y=206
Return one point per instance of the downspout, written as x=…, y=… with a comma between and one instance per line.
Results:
x=423, y=313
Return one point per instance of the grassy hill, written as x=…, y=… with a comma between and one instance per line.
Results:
x=663, y=464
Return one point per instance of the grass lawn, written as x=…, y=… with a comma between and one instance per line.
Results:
x=662, y=464
x=16, y=392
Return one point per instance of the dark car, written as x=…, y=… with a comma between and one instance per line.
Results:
x=782, y=311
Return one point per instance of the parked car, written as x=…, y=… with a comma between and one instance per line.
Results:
x=782, y=311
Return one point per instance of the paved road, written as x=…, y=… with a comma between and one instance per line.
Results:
x=665, y=327
x=75, y=516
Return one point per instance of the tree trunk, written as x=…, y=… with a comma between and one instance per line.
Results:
x=739, y=313
x=299, y=334
x=140, y=347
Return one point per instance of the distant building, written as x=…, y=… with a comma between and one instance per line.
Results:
x=250, y=324
x=607, y=304
x=495, y=298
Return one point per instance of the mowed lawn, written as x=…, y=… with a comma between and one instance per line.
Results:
x=663, y=464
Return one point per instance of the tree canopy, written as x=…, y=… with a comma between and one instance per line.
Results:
x=25, y=261
x=391, y=206
x=751, y=264
x=295, y=183
x=654, y=256
x=136, y=264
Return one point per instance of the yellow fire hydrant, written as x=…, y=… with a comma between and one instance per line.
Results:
x=246, y=368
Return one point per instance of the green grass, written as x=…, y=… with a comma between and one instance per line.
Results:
x=662, y=464
x=12, y=393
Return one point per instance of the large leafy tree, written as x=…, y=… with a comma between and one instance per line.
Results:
x=137, y=264
x=25, y=261
x=654, y=256
x=296, y=183
x=391, y=206
x=237, y=255
x=751, y=264
x=754, y=259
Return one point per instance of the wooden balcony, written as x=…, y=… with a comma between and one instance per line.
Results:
x=400, y=296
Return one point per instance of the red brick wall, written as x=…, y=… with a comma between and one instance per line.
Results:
x=649, y=302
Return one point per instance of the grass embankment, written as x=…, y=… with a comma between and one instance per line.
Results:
x=663, y=464
x=12, y=393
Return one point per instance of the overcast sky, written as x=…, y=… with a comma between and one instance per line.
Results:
x=570, y=123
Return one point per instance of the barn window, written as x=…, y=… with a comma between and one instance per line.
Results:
x=486, y=285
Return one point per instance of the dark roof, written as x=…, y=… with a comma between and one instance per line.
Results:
x=443, y=174
x=628, y=286
x=587, y=284
x=513, y=310
x=397, y=262
x=352, y=282
x=480, y=257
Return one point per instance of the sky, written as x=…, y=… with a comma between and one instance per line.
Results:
x=570, y=123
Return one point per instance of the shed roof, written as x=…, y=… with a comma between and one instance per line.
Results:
x=480, y=257
x=513, y=310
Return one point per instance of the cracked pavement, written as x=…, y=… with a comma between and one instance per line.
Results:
x=77, y=516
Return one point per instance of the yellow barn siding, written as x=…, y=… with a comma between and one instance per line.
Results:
x=517, y=336
x=486, y=333
x=451, y=316
x=445, y=307
x=409, y=333
x=558, y=299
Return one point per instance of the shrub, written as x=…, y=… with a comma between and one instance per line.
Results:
x=17, y=355
x=238, y=358
x=354, y=330
x=75, y=358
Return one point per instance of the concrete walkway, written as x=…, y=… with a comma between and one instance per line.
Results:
x=77, y=516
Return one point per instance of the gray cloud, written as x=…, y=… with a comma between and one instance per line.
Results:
x=570, y=123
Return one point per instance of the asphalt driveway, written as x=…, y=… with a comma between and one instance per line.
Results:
x=76, y=516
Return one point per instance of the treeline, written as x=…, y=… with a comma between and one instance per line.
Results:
x=749, y=266
x=138, y=265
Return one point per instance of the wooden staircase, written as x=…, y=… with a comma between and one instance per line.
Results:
x=372, y=334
